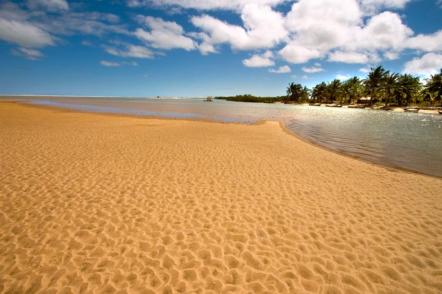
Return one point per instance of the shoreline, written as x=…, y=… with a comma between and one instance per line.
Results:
x=281, y=124
x=92, y=202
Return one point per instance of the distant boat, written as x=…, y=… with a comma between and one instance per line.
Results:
x=415, y=110
x=209, y=99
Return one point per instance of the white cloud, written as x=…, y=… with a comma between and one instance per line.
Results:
x=109, y=63
x=164, y=34
x=429, y=64
x=319, y=26
x=24, y=33
x=365, y=69
x=427, y=43
x=133, y=51
x=322, y=24
x=349, y=57
x=299, y=54
x=341, y=31
x=28, y=53
x=372, y=6
x=263, y=28
x=281, y=70
x=383, y=31
x=263, y=60
x=51, y=5
x=342, y=77
x=204, y=4
x=313, y=69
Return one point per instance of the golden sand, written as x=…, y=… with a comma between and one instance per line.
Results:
x=93, y=203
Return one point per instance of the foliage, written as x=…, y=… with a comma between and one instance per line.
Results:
x=320, y=93
x=375, y=82
x=433, y=88
x=352, y=90
x=251, y=98
x=296, y=93
x=381, y=85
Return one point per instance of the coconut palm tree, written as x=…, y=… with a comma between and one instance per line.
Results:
x=374, y=83
x=296, y=93
x=408, y=90
x=320, y=93
x=352, y=89
x=389, y=86
x=433, y=88
x=334, y=90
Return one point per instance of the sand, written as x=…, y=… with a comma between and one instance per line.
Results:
x=94, y=203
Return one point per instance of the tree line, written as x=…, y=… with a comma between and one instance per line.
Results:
x=381, y=85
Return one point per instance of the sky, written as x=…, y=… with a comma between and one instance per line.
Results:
x=196, y=48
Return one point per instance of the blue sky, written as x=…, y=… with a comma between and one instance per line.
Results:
x=203, y=47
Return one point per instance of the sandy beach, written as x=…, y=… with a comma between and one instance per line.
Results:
x=94, y=203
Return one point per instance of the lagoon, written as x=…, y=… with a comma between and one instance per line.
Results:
x=402, y=140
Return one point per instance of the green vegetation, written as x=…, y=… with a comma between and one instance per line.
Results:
x=296, y=93
x=251, y=98
x=382, y=86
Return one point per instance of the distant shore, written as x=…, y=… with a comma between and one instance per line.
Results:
x=94, y=202
x=280, y=99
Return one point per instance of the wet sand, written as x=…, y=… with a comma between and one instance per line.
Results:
x=94, y=203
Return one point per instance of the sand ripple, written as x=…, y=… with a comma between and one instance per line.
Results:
x=105, y=204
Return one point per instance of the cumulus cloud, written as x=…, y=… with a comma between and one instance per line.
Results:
x=350, y=57
x=342, y=31
x=372, y=6
x=164, y=34
x=263, y=28
x=51, y=5
x=281, y=70
x=427, y=43
x=383, y=31
x=299, y=54
x=345, y=31
x=263, y=60
x=132, y=51
x=313, y=69
x=428, y=64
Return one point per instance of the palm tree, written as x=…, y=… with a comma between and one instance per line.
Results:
x=408, y=90
x=433, y=88
x=389, y=86
x=320, y=93
x=352, y=89
x=334, y=90
x=374, y=83
x=296, y=93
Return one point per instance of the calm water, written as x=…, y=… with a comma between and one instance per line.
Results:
x=405, y=140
